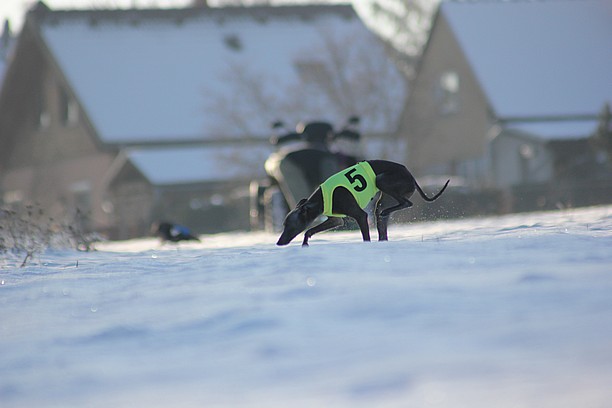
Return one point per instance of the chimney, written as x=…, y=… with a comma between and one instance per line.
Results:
x=199, y=3
x=6, y=36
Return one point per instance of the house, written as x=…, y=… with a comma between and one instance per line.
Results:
x=505, y=89
x=95, y=99
x=140, y=174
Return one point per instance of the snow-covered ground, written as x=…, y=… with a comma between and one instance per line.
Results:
x=512, y=311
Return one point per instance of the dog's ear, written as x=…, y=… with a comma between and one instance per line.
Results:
x=307, y=209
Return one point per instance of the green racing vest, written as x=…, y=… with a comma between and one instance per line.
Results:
x=359, y=179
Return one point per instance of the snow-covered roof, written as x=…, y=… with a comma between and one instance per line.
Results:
x=160, y=75
x=197, y=164
x=556, y=130
x=538, y=58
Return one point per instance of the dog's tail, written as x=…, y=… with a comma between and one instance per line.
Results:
x=434, y=198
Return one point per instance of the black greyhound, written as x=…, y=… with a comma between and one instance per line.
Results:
x=346, y=194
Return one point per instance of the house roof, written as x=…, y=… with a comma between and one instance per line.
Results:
x=163, y=166
x=173, y=75
x=537, y=58
x=546, y=131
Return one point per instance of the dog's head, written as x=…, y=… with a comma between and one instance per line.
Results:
x=296, y=221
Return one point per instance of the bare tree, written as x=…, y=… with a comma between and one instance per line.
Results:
x=404, y=24
x=335, y=78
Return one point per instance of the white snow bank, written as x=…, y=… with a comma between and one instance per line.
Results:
x=504, y=312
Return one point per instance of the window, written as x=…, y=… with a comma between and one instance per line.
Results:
x=80, y=194
x=447, y=93
x=13, y=197
x=43, y=118
x=69, y=110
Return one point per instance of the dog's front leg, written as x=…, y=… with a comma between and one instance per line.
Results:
x=362, y=220
x=331, y=222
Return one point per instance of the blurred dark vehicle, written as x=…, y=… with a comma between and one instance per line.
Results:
x=303, y=159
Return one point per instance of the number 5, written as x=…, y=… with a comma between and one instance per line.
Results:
x=357, y=177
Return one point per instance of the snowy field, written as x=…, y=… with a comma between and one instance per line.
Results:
x=513, y=311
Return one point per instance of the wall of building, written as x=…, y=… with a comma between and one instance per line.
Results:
x=446, y=119
x=517, y=159
x=50, y=155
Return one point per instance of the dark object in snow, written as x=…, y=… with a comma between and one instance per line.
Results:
x=347, y=192
x=168, y=231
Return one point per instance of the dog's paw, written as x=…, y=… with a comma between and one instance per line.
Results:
x=305, y=245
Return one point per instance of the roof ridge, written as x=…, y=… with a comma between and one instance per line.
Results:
x=42, y=12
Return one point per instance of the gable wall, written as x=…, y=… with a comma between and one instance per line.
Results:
x=50, y=139
x=54, y=162
x=437, y=141
x=518, y=159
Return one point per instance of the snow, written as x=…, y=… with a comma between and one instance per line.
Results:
x=537, y=58
x=556, y=130
x=511, y=311
x=197, y=164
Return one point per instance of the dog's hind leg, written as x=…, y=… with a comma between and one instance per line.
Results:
x=382, y=216
x=381, y=222
x=403, y=203
x=398, y=189
x=331, y=222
